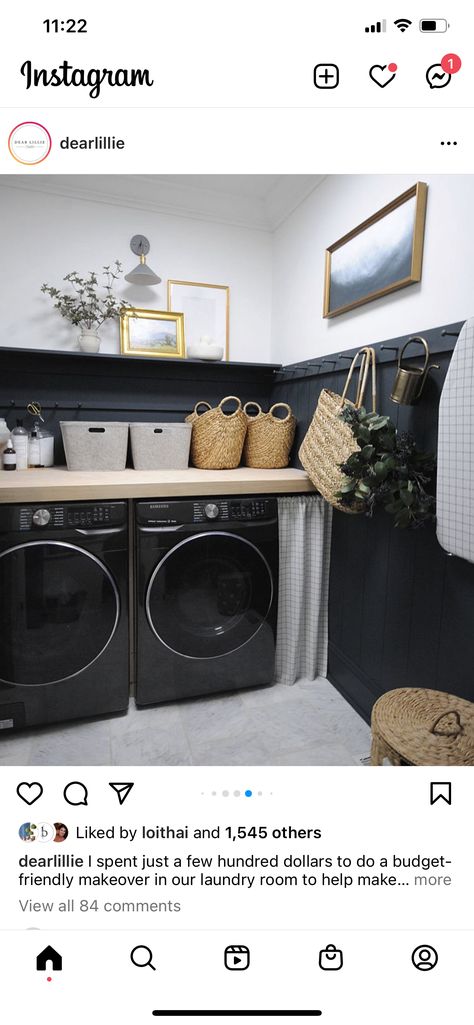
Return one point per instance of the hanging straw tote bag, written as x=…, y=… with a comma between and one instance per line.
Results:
x=329, y=440
x=269, y=437
x=217, y=437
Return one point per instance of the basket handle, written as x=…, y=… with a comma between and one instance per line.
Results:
x=256, y=406
x=281, y=405
x=201, y=403
x=367, y=362
x=230, y=398
x=457, y=726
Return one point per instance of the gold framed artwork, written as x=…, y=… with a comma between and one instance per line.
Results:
x=206, y=311
x=381, y=255
x=152, y=333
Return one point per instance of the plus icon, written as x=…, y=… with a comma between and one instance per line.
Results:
x=326, y=76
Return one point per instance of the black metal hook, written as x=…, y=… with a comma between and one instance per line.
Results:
x=454, y=334
x=343, y=356
x=332, y=361
x=389, y=348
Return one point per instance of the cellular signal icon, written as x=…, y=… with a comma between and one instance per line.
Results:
x=379, y=26
x=402, y=24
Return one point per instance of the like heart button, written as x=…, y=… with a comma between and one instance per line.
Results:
x=29, y=792
x=383, y=74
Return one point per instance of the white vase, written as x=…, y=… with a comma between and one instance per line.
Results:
x=89, y=340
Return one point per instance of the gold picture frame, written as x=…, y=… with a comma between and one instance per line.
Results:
x=357, y=271
x=139, y=335
x=219, y=322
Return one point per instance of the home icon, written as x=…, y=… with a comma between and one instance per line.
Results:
x=51, y=957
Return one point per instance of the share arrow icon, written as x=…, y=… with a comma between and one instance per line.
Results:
x=122, y=790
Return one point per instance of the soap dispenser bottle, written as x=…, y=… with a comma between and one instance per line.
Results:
x=34, y=453
x=9, y=456
x=20, y=441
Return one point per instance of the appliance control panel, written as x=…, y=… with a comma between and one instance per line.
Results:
x=52, y=517
x=205, y=510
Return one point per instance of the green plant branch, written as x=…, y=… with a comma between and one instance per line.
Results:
x=387, y=470
x=90, y=304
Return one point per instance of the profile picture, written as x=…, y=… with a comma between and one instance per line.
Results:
x=62, y=832
x=26, y=832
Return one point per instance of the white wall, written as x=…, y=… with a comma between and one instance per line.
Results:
x=445, y=294
x=44, y=236
x=276, y=280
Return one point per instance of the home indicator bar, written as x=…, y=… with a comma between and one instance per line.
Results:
x=239, y=1014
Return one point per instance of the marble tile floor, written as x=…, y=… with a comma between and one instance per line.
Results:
x=308, y=724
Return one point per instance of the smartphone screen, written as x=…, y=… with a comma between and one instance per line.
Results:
x=236, y=527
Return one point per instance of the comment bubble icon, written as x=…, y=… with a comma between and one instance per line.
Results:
x=76, y=793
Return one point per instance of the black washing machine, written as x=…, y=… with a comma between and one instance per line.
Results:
x=63, y=612
x=207, y=583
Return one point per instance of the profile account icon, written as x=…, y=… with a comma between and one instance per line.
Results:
x=424, y=958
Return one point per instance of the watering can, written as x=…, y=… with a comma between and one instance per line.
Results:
x=410, y=381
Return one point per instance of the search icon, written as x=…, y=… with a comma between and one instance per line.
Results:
x=142, y=957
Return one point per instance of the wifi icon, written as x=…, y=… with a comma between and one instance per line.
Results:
x=403, y=24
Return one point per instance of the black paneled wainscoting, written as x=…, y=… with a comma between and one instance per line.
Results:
x=401, y=609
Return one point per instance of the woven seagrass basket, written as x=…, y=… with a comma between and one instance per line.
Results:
x=217, y=437
x=417, y=726
x=330, y=441
x=269, y=437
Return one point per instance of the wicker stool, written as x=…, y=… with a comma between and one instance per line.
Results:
x=414, y=726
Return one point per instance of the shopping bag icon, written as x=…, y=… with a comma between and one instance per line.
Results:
x=330, y=959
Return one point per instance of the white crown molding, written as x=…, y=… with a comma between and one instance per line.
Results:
x=152, y=194
x=288, y=194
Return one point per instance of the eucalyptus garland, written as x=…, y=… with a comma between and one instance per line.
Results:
x=387, y=470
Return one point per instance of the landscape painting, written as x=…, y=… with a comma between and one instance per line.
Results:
x=381, y=255
x=152, y=333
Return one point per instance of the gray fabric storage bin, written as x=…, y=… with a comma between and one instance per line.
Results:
x=163, y=446
x=95, y=445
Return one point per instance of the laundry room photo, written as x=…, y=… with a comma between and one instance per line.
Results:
x=237, y=470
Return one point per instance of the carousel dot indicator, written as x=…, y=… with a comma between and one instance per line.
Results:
x=248, y=793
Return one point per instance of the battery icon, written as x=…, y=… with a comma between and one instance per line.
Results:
x=433, y=25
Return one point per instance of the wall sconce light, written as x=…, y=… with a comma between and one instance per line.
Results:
x=141, y=274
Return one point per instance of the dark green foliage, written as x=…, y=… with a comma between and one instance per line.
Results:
x=387, y=470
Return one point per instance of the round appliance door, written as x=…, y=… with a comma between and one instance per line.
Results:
x=209, y=595
x=59, y=608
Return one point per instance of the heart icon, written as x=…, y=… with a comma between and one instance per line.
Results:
x=383, y=74
x=29, y=792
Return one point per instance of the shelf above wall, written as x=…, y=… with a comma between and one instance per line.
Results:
x=185, y=367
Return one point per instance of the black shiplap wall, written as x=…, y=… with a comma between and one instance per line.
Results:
x=401, y=610
x=76, y=386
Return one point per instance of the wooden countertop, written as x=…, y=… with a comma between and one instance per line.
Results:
x=60, y=484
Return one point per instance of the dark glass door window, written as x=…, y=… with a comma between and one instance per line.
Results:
x=210, y=595
x=59, y=607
